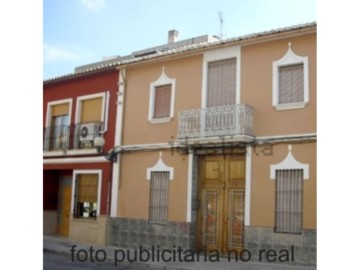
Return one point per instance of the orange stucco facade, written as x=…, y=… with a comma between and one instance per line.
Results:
x=255, y=90
x=135, y=185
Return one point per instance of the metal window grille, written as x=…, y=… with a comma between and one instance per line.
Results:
x=162, y=101
x=159, y=191
x=289, y=201
x=86, y=190
x=221, y=84
x=291, y=84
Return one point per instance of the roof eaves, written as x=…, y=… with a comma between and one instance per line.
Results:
x=186, y=48
x=204, y=45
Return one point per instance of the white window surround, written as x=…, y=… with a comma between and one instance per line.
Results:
x=104, y=110
x=290, y=58
x=160, y=166
x=50, y=105
x=161, y=81
x=248, y=169
x=217, y=55
x=99, y=173
x=189, y=187
x=289, y=163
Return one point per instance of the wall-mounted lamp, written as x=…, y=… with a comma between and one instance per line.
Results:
x=99, y=143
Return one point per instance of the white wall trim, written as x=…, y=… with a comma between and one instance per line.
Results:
x=74, y=160
x=99, y=173
x=71, y=152
x=168, y=145
x=288, y=136
x=189, y=187
x=216, y=55
x=57, y=102
x=289, y=163
x=118, y=132
x=162, y=80
x=248, y=185
x=160, y=166
x=106, y=103
x=290, y=58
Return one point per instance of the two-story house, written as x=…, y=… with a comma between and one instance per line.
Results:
x=213, y=143
x=78, y=109
x=218, y=146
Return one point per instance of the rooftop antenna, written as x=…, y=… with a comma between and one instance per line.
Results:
x=221, y=24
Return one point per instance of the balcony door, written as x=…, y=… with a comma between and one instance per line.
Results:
x=221, y=194
x=221, y=83
x=59, y=131
x=220, y=94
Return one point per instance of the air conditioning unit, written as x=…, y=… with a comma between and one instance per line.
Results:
x=88, y=132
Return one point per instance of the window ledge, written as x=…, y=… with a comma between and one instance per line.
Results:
x=160, y=120
x=290, y=106
x=85, y=219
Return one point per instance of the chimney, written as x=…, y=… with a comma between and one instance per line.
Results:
x=173, y=36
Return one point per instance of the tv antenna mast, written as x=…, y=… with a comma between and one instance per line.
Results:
x=221, y=24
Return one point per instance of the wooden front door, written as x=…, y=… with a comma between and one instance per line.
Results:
x=222, y=195
x=64, y=208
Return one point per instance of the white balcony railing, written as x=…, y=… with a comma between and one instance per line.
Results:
x=216, y=121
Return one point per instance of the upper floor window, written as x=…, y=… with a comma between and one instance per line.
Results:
x=56, y=136
x=221, y=77
x=162, y=106
x=162, y=97
x=91, y=119
x=221, y=86
x=290, y=81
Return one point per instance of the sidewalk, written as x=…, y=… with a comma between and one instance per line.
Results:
x=118, y=255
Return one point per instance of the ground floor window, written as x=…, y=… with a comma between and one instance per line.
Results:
x=159, y=190
x=289, y=201
x=86, y=195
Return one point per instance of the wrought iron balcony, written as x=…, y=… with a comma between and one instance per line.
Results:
x=77, y=136
x=229, y=120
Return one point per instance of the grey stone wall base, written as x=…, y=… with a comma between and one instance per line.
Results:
x=302, y=246
x=131, y=233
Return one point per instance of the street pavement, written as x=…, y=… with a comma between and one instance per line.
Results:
x=59, y=261
x=62, y=252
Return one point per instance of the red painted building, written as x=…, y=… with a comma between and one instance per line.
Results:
x=78, y=109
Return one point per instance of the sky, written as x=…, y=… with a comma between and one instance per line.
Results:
x=79, y=32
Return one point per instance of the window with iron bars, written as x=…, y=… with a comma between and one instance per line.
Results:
x=159, y=191
x=289, y=201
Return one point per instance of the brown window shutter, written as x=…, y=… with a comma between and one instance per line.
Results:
x=91, y=110
x=61, y=109
x=87, y=188
x=291, y=84
x=162, y=101
x=221, y=84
